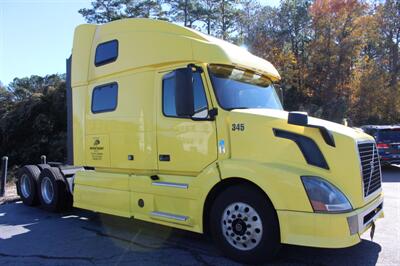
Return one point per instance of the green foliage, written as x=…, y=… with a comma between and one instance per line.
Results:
x=208, y=14
x=184, y=11
x=337, y=58
x=33, y=119
x=217, y=17
x=226, y=21
x=103, y=11
x=144, y=9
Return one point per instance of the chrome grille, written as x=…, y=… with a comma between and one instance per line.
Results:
x=370, y=167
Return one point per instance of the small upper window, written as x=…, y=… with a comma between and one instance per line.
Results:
x=169, y=97
x=106, y=52
x=105, y=98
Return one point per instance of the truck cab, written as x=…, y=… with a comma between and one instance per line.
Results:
x=175, y=127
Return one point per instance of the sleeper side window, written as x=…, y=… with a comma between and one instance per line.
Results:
x=106, y=53
x=105, y=98
x=169, y=96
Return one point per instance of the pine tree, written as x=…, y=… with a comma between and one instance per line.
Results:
x=144, y=9
x=103, y=11
x=187, y=12
x=227, y=14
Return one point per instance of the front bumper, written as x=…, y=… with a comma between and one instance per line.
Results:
x=328, y=230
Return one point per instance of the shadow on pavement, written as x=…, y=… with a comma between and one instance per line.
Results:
x=35, y=237
x=364, y=253
x=81, y=237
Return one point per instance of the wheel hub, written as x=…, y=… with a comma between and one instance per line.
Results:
x=242, y=226
x=25, y=186
x=47, y=190
x=239, y=227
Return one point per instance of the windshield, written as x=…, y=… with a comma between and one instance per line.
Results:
x=242, y=89
x=389, y=135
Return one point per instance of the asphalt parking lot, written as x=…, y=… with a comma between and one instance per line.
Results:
x=31, y=236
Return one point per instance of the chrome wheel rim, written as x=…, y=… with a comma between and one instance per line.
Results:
x=47, y=190
x=241, y=226
x=25, y=186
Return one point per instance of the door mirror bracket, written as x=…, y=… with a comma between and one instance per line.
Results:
x=213, y=113
x=197, y=68
x=211, y=116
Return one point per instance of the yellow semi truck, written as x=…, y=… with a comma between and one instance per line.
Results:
x=171, y=126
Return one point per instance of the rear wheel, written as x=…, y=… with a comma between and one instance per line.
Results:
x=27, y=184
x=244, y=225
x=53, y=192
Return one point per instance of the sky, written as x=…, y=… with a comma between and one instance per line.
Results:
x=36, y=35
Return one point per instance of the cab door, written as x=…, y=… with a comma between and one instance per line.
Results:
x=186, y=145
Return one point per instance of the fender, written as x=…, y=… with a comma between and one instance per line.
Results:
x=280, y=182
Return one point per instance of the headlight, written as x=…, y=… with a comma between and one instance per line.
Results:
x=325, y=197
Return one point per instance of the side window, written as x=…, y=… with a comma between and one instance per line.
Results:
x=106, y=52
x=105, y=98
x=169, y=97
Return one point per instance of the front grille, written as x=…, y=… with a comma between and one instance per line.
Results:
x=370, y=166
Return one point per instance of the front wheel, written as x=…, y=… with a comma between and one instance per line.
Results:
x=244, y=225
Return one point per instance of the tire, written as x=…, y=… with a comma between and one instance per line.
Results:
x=53, y=192
x=27, y=184
x=233, y=211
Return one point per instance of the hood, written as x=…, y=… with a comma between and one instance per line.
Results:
x=354, y=133
x=255, y=139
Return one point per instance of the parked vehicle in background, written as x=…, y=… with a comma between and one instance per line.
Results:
x=388, y=142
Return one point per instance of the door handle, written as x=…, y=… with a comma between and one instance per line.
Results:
x=164, y=158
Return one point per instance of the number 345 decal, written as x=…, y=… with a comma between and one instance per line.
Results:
x=238, y=127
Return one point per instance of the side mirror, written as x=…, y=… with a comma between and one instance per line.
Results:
x=298, y=118
x=184, y=96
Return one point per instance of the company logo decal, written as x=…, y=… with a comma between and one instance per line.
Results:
x=96, y=150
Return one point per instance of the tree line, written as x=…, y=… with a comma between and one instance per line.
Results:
x=33, y=119
x=337, y=58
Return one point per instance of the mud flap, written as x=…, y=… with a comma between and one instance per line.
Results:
x=372, y=233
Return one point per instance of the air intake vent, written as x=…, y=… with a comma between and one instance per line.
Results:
x=370, y=166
